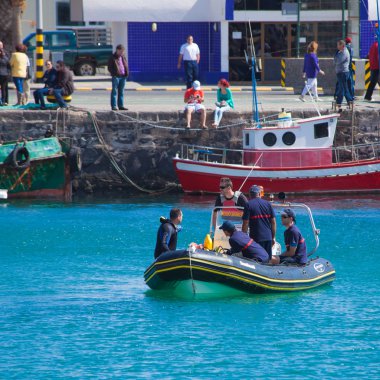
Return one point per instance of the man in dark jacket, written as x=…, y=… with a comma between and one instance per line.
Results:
x=4, y=75
x=64, y=85
x=118, y=68
x=49, y=79
x=167, y=233
x=373, y=57
x=259, y=217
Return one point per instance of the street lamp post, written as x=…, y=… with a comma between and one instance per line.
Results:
x=39, y=43
x=298, y=27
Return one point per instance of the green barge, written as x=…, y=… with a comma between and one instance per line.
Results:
x=35, y=169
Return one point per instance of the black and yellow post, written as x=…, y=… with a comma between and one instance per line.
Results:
x=367, y=74
x=354, y=71
x=39, y=55
x=283, y=67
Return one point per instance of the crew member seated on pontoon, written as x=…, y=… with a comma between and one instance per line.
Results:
x=241, y=242
x=167, y=232
x=296, y=251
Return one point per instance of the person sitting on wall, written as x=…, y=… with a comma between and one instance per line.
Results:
x=49, y=79
x=295, y=244
x=241, y=242
x=194, y=97
x=224, y=101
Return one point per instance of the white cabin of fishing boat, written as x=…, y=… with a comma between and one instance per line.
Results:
x=286, y=142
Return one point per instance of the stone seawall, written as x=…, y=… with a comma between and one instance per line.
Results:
x=124, y=151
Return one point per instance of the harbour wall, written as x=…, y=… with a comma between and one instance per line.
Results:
x=125, y=152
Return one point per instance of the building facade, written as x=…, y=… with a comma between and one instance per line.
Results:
x=225, y=30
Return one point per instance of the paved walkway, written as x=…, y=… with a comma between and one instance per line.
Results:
x=93, y=93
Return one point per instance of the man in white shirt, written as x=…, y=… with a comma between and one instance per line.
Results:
x=190, y=54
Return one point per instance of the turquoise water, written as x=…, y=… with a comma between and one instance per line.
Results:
x=73, y=303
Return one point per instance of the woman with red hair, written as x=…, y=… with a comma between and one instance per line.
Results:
x=310, y=71
x=225, y=101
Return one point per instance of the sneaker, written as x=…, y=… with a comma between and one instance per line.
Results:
x=114, y=109
x=123, y=109
x=302, y=98
x=369, y=100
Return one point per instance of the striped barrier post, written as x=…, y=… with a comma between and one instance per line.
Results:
x=354, y=70
x=283, y=67
x=367, y=74
x=39, y=55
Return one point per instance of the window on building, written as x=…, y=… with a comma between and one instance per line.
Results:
x=63, y=15
x=275, y=5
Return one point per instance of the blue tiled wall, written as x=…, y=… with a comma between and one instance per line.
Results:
x=367, y=37
x=153, y=56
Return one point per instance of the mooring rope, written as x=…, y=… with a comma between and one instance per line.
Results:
x=151, y=124
x=116, y=165
x=190, y=249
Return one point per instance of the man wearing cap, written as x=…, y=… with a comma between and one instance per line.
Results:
x=294, y=242
x=241, y=242
x=191, y=56
x=194, y=97
x=167, y=232
x=260, y=218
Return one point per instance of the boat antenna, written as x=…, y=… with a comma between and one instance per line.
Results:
x=251, y=59
x=253, y=166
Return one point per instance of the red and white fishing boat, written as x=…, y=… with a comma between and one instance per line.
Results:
x=285, y=154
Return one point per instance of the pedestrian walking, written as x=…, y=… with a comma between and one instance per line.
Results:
x=190, y=54
x=351, y=82
x=373, y=57
x=341, y=64
x=118, y=68
x=4, y=74
x=310, y=71
x=26, y=82
x=19, y=62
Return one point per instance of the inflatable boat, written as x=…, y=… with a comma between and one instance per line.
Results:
x=212, y=271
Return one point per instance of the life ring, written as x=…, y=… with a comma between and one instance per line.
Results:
x=20, y=157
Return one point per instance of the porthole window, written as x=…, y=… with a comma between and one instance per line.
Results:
x=289, y=138
x=269, y=139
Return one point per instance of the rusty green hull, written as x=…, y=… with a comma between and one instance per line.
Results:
x=46, y=175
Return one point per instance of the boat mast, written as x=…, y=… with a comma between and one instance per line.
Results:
x=255, y=107
x=377, y=29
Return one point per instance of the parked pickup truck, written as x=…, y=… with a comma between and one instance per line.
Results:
x=83, y=50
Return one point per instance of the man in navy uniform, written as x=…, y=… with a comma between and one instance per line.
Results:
x=241, y=242
x=259, y=216
x=167, y=232
x=295, y=243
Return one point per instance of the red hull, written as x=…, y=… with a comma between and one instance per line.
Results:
x=204, y=177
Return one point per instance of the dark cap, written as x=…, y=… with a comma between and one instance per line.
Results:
x=255, y=189
x=290, y=213
x=227, y=226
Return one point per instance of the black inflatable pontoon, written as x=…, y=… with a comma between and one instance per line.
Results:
x=212, y=272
